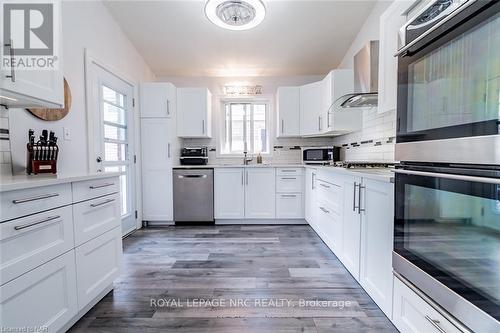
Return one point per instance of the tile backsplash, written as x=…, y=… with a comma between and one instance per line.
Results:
x=5, y=154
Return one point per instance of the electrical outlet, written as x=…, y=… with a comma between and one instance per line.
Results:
x=66, y=134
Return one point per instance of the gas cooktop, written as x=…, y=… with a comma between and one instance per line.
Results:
x=363, y=164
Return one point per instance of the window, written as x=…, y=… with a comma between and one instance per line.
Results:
x=245, y=128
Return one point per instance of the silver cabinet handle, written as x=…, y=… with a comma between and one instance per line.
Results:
x=282, y=126
x=191, y=176
x=246, y=172
x=203, y=126
x=319, y=123
x=324, y=210
x=48, y=219
x=289, y=171
x=168, y=107
x=354, y=197
x=313, y=181
x=289, y=178
x=288, y=195
x=435, y=323
x=361, y=187
x=95, y=187
x=325, y=186
x=40, y=197
x=12, y=75
x=168, y=150
x=102, y=203
x=242, y=178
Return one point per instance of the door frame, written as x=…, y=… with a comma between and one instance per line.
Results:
x=89, y=60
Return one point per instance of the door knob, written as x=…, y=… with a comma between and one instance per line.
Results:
x=98, y=159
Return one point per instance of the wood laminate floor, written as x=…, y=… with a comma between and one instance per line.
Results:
x=233, y=279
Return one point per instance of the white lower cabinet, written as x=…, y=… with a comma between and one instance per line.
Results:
x=45, y=296
x=260, y=193
x=289, y=206
x=98, y=264
x=329, y=225
x=411, y=314
x=229, y=193
x=377, y=220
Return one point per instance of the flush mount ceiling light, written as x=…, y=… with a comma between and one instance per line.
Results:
x=235, y=14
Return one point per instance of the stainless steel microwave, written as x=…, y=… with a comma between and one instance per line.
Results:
x=320, y=155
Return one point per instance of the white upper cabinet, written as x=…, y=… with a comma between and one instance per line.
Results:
x=32, y=88
x=288, y=112
x=158, y=100
x=390, y=23
x=194, y=113
x=312, y=119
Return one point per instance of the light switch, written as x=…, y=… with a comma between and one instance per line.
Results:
x=67, y=134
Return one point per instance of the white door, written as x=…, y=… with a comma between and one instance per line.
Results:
x=157, y=150
x=194, y=108
x=229, y=192
x=311, y=121
x=112, y=134
x=352, y=225
x=260, y=193
x=377, y=220
x=157, y=100
x=288, y=111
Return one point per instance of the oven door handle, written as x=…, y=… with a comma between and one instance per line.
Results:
x=440, y=23
x=449, y=176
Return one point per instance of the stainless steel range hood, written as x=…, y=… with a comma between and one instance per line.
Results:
x=365, y=79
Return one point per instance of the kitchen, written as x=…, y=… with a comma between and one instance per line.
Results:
x=264, y=166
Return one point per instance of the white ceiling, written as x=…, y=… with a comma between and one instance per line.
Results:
x=296, y=38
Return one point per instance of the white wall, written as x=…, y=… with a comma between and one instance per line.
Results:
x=269, y=87
x=376, y=127
x=86, y=24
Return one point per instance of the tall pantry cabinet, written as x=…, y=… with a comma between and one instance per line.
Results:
x=160, y=148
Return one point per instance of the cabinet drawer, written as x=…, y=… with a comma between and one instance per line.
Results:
x=95, y=217
x=28, y=242
x=14, y=204
x=289, y=184
x=289, y=206
x=329, y=222
x=45, y=296
x=411, y=314
x=91, y=189
x=330, y=194
x=98, y=264
x=289, y=171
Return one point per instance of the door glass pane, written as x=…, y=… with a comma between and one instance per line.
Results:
x=458, y=83
x=112, y=96
x=114, y=152
x=114, y=114
x=114, y=133
x=457, y=233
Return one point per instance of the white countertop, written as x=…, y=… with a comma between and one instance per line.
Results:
x=382, y=174
x=12, y=183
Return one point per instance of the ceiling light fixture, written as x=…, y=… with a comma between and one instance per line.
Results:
x=235, y=14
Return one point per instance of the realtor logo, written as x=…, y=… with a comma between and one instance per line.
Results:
x=30, y=35
x=30, y=27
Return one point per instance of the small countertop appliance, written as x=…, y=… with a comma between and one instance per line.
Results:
x=194, y=156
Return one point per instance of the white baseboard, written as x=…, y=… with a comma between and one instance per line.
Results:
x=260, y=221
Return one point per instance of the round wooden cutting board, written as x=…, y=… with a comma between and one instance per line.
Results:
x=54, y=114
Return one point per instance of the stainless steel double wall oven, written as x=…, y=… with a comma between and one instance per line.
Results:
x=447, y=210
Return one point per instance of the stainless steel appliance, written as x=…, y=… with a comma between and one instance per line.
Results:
x=193, y=195
x=449, y=84
x=194, y=156
x=320, y=155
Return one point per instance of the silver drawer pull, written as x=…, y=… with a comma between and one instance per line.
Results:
x=324, y=210
x=40, y=197
x=325, y=186
x=102, y=203
x=289, y=178
x=288, y=170
x=288, y=195
x=24, y=226
x=435, y=323
x=94, y=187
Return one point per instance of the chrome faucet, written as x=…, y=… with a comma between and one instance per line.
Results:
x=246, y=160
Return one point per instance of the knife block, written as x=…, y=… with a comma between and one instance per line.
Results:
x=41, y=159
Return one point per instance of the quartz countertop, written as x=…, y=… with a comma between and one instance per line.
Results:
x=12, y=183
x=217, y=166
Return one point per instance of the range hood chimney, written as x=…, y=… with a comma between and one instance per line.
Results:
x=365, y=79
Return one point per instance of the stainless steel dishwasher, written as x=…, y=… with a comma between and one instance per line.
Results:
x=193, y=195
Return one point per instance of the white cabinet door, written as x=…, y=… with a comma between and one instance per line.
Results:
x=194, y=113
x=289, y=206
x=35, y=88
x=351, y=225
x=260, y=193
x=390, y=23
x=288, y=112
x=411, y=314
x=45, y=296
x=377, y=220
x=98, y=263
x=158, y=100
x=27, y=242
x=157, y=196
x=310, y=196
x=311, y=120
x=229, y=190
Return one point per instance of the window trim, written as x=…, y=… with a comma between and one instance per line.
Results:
x=222, y=101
